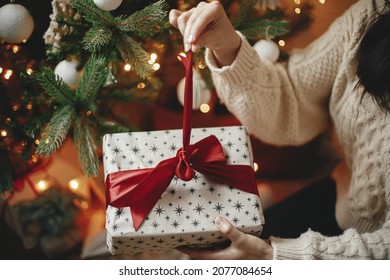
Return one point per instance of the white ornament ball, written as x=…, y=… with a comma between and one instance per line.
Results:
x=108, y=5
x=267, y=50
x=16, y=23
x=201, y=94
x=67, y=70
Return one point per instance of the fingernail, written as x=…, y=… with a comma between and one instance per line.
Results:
x=187, y=47
x=191, y=38
x=218, y=221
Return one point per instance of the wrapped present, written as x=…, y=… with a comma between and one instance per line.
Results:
x=163, y=192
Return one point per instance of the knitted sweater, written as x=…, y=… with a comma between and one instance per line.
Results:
x=291, y=103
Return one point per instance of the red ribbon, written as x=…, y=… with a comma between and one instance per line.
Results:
x=140, y=189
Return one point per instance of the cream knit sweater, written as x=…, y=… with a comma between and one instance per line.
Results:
x=290, y=104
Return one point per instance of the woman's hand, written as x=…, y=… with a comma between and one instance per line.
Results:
x=208, y=26
x=243, y=246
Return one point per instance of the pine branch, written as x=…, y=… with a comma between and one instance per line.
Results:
x=86, y=147
x=135, y=55
x=94, y=76
x=54, y=86
x=144, y=19
x=246, y=7
x=95, y=38
x=56, y=130
x=261, y=28
x=92, y=13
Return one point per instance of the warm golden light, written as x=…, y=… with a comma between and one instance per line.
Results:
x=29, y=106
x=15, y=107
x=297, y=2
x=42, y=186
x=8, y=120
x=8, y=74
x=255, y=167
x=204, y=108
x=35, y=158
x=15, y=48
x=141, y=85
x=29, y=71
x=156, y=66
x=74, y=184
x=4, y=133
x=1, y=70
x=322, y=1
x=201, y=65
x=282, y=43
x=36, y=142
x=153, y=57
x=127, y=67
x=297, y=10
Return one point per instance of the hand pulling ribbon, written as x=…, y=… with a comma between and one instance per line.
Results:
x=140, y=189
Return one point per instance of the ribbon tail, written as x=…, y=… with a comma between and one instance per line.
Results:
x=153, y=186
x=241, y=177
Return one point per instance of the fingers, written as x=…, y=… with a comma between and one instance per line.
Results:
x=230, y=231
x=173, y=16
x=195, y=23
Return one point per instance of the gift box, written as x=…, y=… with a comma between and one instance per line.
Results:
x=184, y=213
x=164, y=188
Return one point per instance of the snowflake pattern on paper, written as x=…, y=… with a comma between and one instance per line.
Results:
x=184, y=214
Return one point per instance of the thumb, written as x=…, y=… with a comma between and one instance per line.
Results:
x=230, y=231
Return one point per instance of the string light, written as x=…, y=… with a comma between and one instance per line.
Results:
x=29, y=71
x=156, y=66
x=127, y=67
x=4, y=133
x=282, y=43
x=8, y=74
x=204, y=108
x=255, y=167
x=42, y=186
x=297, y=10
x=29, y=106
x=140, y=85
x=1, y=70
x=322, y=1
x=15, y=48
x=74, y=184
x=297, y=2
x=201, y=65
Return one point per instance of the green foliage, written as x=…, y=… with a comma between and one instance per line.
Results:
x=74, y=107
x=56, y=130
x=264, y=28
x=86, y=147
x=120, y=32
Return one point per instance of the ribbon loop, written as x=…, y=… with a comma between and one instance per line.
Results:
x=183, y=169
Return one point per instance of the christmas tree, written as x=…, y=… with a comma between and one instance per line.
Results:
x=97, y=53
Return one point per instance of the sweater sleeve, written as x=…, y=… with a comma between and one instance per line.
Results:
x=349, y=245
x=282, y=103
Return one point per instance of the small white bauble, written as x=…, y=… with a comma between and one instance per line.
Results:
x=67, y=70
x=108, y=5
x=200, y=93
x=267, y=50
x=16, y=23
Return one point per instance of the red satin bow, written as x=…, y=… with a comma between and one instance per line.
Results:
x=140, y=189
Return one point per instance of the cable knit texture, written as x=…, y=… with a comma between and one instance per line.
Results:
x=291, y=103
